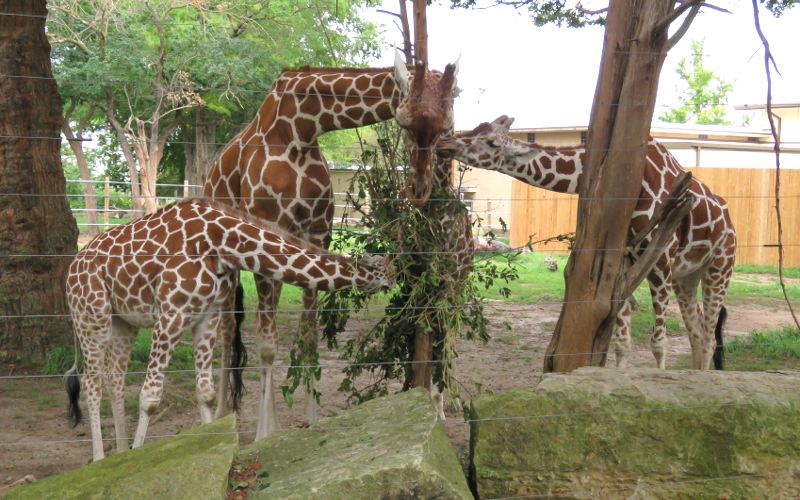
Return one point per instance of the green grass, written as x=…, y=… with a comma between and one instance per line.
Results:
x=789, y=272
x=764, y=350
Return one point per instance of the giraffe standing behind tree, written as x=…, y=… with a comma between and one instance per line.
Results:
x=702, y=251
x=172, y=270
x=274, y=169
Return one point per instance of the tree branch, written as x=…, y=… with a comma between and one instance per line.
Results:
x=767, y=59
x=676, y=37
x=663, y=225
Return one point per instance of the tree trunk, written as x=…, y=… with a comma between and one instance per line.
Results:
x=89, y=197
x=130, y=160
x=423, y=343
x=205, y=130
x=36, y=219
x=634, y=50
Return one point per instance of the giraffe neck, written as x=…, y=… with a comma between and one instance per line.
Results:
x=305, y=103
x=288, y=258
x=554, y=169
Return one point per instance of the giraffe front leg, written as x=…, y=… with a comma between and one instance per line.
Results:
x=269, y=293
x=117, y=357
x=166, y=335
x=622, y=335
x=307, y=347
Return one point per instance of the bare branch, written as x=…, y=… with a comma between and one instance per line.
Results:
x=675, y=14
x=676, y=37
x=663, y=225
x=395, y=14
x=767, y=59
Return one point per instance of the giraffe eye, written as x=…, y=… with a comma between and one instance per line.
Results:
x=492, y=143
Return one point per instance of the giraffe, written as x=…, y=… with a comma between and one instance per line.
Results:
x=274, y=169
x=702, y=251
x=171, y=271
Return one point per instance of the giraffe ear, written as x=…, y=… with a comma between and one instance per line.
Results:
x=401, y=74
x=503, y=123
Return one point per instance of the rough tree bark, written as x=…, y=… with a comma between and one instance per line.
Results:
x=35, y=219
x=636, y=43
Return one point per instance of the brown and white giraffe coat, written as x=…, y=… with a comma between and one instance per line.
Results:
x=274, y=169
x=702, y=250
x=172, y=270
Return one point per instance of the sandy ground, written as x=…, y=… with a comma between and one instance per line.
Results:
x=35, y=437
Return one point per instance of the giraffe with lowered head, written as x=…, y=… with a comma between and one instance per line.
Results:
x=172, y=270
x=274, y=169
x=702, y=251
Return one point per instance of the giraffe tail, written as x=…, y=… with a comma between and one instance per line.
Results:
x=72, y=384
x=238, y=351
x=719, y=351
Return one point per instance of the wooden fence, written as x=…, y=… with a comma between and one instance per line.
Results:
x=541, y=214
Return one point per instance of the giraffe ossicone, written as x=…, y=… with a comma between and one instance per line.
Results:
x=172, y=270
x=702, y=251
x=274, y=168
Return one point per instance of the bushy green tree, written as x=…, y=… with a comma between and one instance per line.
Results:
x=703, y=96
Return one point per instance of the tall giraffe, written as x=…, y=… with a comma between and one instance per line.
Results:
x=274, y=169
x=702, y=250
x=172, y=270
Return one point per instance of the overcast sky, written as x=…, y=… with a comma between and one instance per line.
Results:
x=546, y=76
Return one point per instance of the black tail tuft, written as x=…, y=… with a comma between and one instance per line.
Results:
x=238, y=352
x=719, y=351
x=72, y=383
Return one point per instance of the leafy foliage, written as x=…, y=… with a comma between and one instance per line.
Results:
x=429, y=296
x=704, y=96
x=778, y=7
x=547, y=11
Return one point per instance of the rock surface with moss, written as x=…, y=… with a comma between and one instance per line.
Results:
x=193, y=464
x=391, y=447
x=602, y=433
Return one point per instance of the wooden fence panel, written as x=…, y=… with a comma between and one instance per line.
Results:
x=538, y=214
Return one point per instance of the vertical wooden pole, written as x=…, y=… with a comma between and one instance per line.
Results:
x=185, y=188
x=489, y=214
x=420, y=31
x=106, y=202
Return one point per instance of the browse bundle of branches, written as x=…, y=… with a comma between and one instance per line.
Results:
x=430, y=295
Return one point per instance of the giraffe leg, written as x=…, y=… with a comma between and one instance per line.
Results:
x=204, y=338
x=659, y=280
x=714, y=284
x=166, y=334
x=307, y=345
x=269, y=292
x=686, y=292
x=94, y=336
x=118, y=355
x=622, y=335
x=225, y=324
x=437, y=396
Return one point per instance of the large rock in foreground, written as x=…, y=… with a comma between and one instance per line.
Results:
x=391, y=447
x=601, y=433
x=193, y=464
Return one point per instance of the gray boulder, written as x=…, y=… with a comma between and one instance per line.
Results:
x=391, y=447
x=602, y=433
x=194, y=464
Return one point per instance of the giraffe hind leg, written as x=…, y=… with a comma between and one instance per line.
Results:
x=269, y=293
x=659, y=293
x=118, y=354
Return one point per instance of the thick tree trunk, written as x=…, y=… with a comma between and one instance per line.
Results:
x=36, y=221
x=634, y=50
x=205, y=131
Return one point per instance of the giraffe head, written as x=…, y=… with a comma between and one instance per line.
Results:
x=486, y=146
x=381, y=272
x=425, y=112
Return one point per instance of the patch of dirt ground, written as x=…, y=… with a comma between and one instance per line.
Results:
x=35, y=437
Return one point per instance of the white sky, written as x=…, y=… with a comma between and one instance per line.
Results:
x=547, y=76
